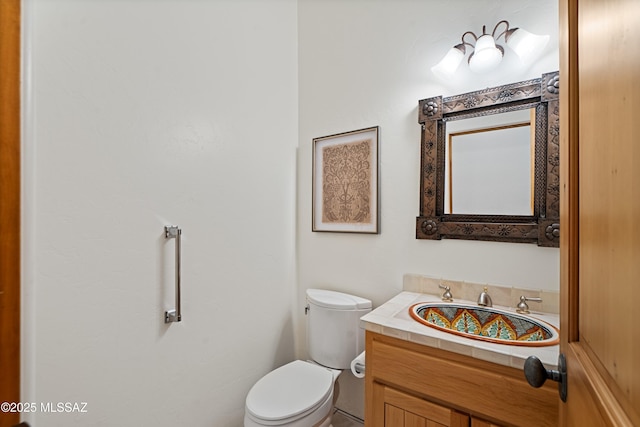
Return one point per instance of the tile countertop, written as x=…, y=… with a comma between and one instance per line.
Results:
x=392, y=319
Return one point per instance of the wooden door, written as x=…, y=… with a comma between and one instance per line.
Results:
x=600, y=210
x=9, y=207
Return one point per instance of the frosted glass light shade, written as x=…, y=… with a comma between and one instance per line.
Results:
x=486, y=55
x=526, y=45
x=449, y=64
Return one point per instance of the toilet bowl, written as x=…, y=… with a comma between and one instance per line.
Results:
x=298, y=394
x=302, y=393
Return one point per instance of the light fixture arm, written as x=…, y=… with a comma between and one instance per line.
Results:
x=505, y=32
x=464, y=43
x=484, y=33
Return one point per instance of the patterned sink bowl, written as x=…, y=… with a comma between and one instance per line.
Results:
x=485, y=323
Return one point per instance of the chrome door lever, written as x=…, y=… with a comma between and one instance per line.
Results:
x=173, y=232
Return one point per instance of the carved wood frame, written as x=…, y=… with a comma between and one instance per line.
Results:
x=543, y=227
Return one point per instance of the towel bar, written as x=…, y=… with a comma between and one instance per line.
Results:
x=173, y=232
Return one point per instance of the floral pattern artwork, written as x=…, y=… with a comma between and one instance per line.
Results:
x=346, y=183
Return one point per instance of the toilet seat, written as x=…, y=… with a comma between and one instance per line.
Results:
x=289, y=393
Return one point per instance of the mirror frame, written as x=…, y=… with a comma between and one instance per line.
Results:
x=543, y=227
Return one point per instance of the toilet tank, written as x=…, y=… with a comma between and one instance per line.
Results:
x=334, y=335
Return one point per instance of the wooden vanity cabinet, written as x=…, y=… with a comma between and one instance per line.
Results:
x=412, y=385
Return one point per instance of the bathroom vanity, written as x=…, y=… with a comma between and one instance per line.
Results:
x=418, y=376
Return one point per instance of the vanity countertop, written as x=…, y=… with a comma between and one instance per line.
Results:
x=392, y=319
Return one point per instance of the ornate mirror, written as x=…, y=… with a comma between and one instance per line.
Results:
x=489, y=167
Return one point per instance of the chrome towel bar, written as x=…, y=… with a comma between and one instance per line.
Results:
x=173, y=232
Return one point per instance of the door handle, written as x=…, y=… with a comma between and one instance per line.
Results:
x=173, y=232
x=536, y=374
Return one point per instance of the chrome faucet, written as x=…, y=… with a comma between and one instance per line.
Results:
x=484, y=299
x=522, y=306
x=446, y=296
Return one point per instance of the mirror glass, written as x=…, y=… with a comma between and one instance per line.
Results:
x=489, y=164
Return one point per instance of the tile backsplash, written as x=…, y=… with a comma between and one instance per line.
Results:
x=501, y=295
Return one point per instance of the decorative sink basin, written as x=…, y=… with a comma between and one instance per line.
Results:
x=485, y=323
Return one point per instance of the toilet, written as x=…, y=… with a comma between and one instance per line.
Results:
x=302, y=393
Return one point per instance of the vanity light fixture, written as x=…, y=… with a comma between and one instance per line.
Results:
x=486, y=54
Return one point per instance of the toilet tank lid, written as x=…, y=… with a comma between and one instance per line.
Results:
x=336, y=300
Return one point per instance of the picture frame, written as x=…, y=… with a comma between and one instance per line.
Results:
x=345, y=189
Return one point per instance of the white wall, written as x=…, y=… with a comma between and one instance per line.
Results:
x=140, y=114
x=365, y=63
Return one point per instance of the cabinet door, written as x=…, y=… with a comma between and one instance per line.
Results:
x=477, y=422
x=398, y=409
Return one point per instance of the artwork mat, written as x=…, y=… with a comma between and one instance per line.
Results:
x=319, y=144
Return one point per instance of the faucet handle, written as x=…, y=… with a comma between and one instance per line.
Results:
x=446, y=296
x=522, y=306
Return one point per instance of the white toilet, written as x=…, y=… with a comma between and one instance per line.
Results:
x=301, y=393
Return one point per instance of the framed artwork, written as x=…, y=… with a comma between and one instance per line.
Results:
x=345, y=182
